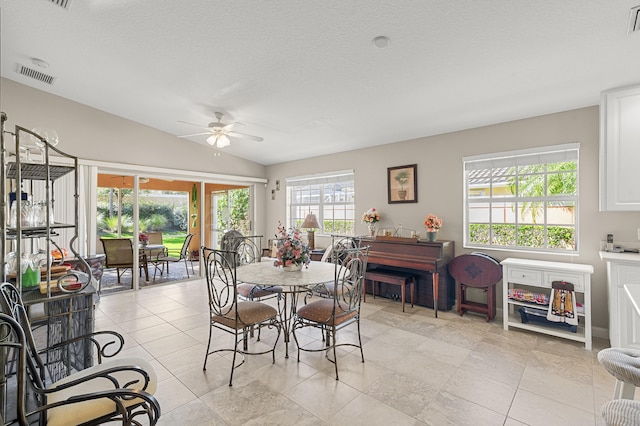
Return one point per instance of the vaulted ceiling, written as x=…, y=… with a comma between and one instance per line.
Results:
x=306, y=76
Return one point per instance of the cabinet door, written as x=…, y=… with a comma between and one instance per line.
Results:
x=619, y=149
x=630, y=329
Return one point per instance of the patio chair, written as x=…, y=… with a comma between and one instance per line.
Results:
x=119, y=255
x=341, y=310
x=228, y=314
x=167, y=257
x=118, y=390
x=155, y=238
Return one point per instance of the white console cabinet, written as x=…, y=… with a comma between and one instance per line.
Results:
x=623, y=269
x=536, y=276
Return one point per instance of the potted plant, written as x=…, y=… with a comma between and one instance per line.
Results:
x=433, y=223
x=402, y=178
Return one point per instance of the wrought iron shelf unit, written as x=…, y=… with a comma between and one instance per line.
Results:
x=24, y=176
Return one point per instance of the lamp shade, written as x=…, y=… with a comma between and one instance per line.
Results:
x=310, y=222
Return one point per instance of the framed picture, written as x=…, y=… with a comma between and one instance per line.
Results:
x=402, y=184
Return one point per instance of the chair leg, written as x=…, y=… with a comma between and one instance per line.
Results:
x=206, y=355
x=360, y=341
x=335, y=356
x=186, y=266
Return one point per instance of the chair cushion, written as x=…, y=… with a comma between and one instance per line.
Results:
x=322, y=310
x=78, y=413
x=250, y=291
x=621, y=412
x=249, y=313
x=623, y=364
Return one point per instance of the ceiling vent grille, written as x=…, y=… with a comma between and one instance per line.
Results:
x=65, y=4
x=40, y=76
x=634, y=19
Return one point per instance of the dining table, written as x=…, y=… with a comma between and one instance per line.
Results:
x=293, y=283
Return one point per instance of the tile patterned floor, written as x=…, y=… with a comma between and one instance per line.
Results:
x=419, y=370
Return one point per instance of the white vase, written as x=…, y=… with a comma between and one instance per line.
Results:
x=293, y=267
x=372, y=229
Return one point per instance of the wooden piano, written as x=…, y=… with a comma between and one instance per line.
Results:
x=427, y=260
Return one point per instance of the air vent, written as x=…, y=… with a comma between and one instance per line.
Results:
x=40, y=76
x=634, y=20
x=65, y=4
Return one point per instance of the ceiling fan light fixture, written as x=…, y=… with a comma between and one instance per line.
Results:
x=211, y=140
x=223, y=141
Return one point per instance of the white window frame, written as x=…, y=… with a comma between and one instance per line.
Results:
x=297, y=211
x=497, y=161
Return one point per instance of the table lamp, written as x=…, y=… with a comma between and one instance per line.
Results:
x=310, y=223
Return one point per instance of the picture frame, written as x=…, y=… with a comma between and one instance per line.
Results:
x=402, y=184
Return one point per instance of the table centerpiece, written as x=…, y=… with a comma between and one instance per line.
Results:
x=292, y=253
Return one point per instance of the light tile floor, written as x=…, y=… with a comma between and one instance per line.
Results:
x=418, y=369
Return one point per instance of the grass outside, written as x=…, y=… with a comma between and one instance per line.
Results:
x=173, y=242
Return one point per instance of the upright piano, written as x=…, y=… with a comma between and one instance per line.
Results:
x=427, y=260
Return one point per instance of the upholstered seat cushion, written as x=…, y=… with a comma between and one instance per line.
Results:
x=621, y=412
x=322, y=310
x=81, y=412
x=250, y=291
x=249, y=313
x=622, y=363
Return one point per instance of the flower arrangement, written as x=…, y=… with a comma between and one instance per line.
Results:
x=432, y=223
x=143, y=238
x=291, y=248
x=371, y=216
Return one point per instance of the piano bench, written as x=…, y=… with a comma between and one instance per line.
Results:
x=390, y=277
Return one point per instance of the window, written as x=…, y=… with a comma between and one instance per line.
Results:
x=329, y=196
x=523, y=200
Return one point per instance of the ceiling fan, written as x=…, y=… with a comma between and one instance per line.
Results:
x=220, y=132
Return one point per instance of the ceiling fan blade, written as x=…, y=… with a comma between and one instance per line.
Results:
x=194, y=134
x=191, y=124
x=245, y=136
x=230, y=126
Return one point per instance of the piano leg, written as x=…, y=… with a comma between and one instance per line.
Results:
x=435, y=277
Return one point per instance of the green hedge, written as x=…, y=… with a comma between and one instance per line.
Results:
x=559, y=237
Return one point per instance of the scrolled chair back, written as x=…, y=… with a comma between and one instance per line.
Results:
x=248, y=250
x=349, y=277
x=220, y=268
x=339, y=243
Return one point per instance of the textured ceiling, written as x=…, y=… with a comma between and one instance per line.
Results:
x=304, y=74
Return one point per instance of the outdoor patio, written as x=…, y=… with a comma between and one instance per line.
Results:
x=176, y=273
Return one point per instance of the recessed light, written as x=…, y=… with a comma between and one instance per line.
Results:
x=381, y=42
x=39, y=62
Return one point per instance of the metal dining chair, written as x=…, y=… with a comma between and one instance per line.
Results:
x=341, y=310
x=228, y=314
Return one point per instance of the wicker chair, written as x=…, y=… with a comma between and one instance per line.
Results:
x=118, y=390
x=228, y=314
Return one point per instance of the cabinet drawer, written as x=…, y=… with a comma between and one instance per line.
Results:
x=525, y=276
x=576, y=279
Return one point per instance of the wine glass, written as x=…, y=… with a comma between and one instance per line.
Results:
x=50, y=135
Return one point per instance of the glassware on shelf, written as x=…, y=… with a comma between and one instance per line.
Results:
x=50, y=135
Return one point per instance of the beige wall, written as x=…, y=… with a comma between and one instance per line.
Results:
x=93, y=134
x=440, y=185
x=96, y=135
